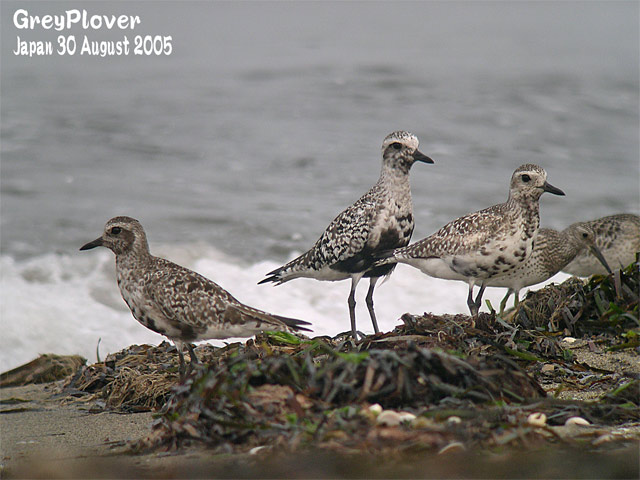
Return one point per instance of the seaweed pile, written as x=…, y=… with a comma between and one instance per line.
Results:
x=438, y=383
x=46, y=368
x=605, y=304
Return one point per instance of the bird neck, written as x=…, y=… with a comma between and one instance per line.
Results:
x=394, y=177
x=529, y=208
x=559, y=247
x=570, y=246
x=133, y=257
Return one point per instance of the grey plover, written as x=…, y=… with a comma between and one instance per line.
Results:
x=175, y=301
x=381, y=219
x=486, y=244
x=617, y=236
x=552, y=251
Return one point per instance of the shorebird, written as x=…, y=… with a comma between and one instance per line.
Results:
x=177, y=302
x=484, y=245
x=617, y=236
x=380, y=220
x=552, y=251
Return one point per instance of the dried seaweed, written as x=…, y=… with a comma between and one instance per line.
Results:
x=293, y=393
x=45, y=368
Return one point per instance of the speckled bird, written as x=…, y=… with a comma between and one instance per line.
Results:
x=177, y=302
x=552, y=251
x=617, y=237
x=484, y=245
x=380, y=220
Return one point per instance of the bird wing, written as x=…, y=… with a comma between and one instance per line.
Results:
x=348, y=233
x=185, y=298
x=475, y=232
x=188, y=300
x=345, y=238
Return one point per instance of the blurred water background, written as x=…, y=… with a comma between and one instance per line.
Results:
x=266, y=121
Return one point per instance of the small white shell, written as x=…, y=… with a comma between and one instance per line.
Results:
x=255, y=450
x=376, y=409
x=537, y=419
x=453, y=446
x=576, y=421
x=407, y=417
x=389, y=418
x=607, y=437
x=569, y=339
x=454, y=419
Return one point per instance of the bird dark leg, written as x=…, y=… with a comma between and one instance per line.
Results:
x=478, y=301
x=473, y=308
x=352, y=308
x=369, y=301
x=192, y=354
x=181, y=369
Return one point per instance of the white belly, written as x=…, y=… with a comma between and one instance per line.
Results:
x=434, y=267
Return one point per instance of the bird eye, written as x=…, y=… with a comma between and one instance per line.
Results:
x=396, y=145
x=115, y=230
x=585, y=235
x=526, y=178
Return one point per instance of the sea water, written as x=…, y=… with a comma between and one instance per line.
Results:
x=238, y=149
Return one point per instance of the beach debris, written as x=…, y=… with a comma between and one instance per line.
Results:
x=391, y=418
x=436, y=382
x=576, y=421
x=453, y=447
x=46, y=368
x=537, y=419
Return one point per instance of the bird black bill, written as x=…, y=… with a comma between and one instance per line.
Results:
x=418, y=156
x=598, y=254
x=547, y=187
x=96, y=243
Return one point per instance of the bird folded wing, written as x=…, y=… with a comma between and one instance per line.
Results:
x=347, y=234
x=471, y=233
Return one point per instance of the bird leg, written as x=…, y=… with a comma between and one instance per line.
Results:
x=352, y=307
x=473, y=308
x=184, y=369
x=192, y=354
x=181, y=369
x=369, y=301
x=478, y=301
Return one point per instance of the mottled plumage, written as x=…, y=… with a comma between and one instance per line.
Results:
x=552, y=251
x=485, y=244
x=175, y=301
x=380, y=220
x=617, y=237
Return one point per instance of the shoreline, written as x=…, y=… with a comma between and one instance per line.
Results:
x=52, y=437
x=483, y=397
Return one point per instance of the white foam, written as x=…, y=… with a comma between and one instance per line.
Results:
x=64, y=304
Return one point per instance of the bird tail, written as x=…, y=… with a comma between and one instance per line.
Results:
x=294, y=323
x=288, y=271
x=267, y=321
x=273, y=276
x=385, y=257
